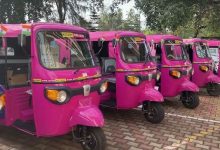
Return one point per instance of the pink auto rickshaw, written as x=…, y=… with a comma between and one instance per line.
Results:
x=175, y=68
x=127, y=64
x=203, y=66
x=50, y=84
x=214, y=49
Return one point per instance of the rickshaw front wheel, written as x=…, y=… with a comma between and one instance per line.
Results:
x=90, y=138
x=190, y=99
x=213, y=89
x=153, y=112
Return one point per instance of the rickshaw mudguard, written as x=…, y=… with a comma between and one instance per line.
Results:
x=212, y=78
x=87, y=116
x=150, y=94
x=188, y=86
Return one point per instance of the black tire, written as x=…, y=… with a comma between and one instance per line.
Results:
x=153, y=112
x=190, y=99
x=213, y=89
x=95, y=139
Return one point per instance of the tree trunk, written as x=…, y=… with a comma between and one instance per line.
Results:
x=61, y=8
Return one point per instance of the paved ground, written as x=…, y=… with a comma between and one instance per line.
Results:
x=181, y=129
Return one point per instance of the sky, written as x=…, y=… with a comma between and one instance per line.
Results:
x=125, y=9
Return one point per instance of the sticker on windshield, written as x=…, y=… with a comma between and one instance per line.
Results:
x=67, y=34
x=79, y=36
x=178, y=42
x=138, y=39
x=173, y=42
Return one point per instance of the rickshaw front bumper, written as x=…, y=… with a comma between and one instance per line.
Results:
x=150, y=94
x=188, y=86
x=87, y=116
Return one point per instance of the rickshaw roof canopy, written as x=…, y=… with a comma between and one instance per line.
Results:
x=13, y=30
x=110, y=35
x=158, y=37
x=213, y=42
x=194, y=40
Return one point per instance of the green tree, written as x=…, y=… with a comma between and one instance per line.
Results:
x=175, y=15
x=21, y=11
x=111, y=21
x=132, y=21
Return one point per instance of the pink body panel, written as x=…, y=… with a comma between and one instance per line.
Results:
x=201, y=78
x=18, y=105
x=128, y=96
x=88, y=116
x=51, y=119
x=170, y=86
x=215, y=43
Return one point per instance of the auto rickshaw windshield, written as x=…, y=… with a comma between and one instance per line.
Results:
x=202, y=50
x=62, y=50
x=134, y=49
x=175, y=50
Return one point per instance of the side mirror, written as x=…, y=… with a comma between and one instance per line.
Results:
x=108, y=65
x=22, y=40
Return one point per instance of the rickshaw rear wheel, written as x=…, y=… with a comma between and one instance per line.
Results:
x=153, y=112
x=213, y=89
x=90, y=138
x=190, y=99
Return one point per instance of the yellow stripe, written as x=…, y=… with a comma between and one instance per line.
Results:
x=135, y=70
x=60, y=80
x=37, y=80
x=65, y=80
x=177, y=66
x=201, y=62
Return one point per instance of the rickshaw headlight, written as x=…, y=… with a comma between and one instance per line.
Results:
x=62, y=96
x=133, y=80
x=175, y=74
x=192, y=71
x=59, y=96
x=158, y=76
x=2, y=101
x=103, y=87
x=204, y=68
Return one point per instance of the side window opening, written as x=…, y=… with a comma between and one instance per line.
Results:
x=2, y=61
x=158, y=53
x=190, y=52
x=18, y=62
x=100, y=50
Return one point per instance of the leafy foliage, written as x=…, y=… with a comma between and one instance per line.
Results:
x=176, y=15
x=114, y=21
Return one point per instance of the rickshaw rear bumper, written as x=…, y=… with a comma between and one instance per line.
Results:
x=188, y=86
x=87, y=116
x=150, y=94
x=212, y=78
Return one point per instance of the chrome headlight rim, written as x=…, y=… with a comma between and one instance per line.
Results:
x=61, y=91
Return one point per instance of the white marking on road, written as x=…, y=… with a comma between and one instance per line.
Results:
x=195, y=118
